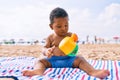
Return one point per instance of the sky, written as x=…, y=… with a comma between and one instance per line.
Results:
x=29, y=19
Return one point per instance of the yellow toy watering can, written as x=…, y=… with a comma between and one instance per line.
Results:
x=69, y=45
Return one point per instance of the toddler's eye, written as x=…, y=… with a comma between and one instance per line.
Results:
x=58, y=26
x=66, y=25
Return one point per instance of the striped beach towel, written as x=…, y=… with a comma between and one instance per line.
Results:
x=13, y=66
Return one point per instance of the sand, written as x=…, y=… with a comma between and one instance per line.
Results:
x=88, y=51
x=100, y=51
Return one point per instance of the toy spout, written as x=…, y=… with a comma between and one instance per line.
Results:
x=74, y=37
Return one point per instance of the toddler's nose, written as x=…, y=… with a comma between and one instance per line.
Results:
x=63, y=28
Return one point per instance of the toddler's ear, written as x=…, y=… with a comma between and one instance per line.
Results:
x=51, y=26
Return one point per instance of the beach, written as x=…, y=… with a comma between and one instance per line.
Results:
x=88, y=51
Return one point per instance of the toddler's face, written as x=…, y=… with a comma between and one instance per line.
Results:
x=60, y=26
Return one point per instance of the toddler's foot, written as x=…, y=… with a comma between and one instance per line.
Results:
x=100, y=73
x=31, y=72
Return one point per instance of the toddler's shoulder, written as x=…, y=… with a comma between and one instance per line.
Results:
x=50, y=36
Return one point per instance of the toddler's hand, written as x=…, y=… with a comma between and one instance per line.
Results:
x=49, y=51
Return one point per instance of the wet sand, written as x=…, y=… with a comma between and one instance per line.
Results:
x=88, y=51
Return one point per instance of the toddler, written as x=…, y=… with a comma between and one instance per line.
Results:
x=55, y=57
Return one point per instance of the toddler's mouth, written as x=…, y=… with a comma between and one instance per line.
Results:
x=63, y=33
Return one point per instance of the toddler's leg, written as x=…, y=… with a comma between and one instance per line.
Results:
x=39, y=69
x=85, y=66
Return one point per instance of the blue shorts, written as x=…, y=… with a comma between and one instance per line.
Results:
x=61, y=61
